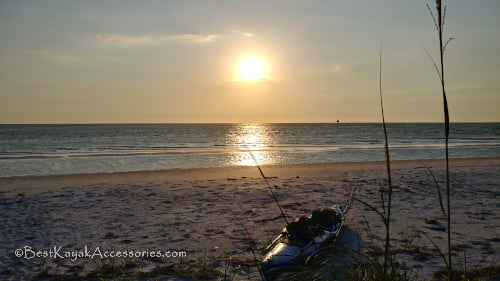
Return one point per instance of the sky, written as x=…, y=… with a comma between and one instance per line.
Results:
x=178, y=61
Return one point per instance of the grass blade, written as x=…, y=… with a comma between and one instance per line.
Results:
x=441, y=204
x=441, y=254
x=371, y=207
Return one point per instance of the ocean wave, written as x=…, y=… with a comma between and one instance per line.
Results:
x=230, y=148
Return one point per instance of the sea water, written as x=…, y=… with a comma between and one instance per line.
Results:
x=77, y=149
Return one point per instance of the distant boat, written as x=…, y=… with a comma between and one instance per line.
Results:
x=302, y=240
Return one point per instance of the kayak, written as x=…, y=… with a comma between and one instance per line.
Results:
x=302, y=240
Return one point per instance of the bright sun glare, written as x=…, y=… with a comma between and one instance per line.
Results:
x=252, y=68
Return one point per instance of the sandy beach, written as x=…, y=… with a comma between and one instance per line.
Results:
x=205, y=214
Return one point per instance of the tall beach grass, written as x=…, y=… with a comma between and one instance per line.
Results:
x=439, y=20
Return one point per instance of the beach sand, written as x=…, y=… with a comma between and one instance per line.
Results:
x=210, y=215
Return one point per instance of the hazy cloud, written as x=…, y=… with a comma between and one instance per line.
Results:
x=148, y=40
x=127, y=40
x=54, y=57
x=342, y=68
x=243, y=33
x=196, y=37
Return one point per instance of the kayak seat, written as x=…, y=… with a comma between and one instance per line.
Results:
x=302, y=229
x=326, y=217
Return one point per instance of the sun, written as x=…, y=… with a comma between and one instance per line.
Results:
x=252, y=68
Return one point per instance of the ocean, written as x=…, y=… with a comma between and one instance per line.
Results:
x=103, y=148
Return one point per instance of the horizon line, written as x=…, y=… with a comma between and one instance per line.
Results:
x=215, y=123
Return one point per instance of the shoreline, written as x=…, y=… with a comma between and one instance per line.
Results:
x=204, y=212
x=176, y=174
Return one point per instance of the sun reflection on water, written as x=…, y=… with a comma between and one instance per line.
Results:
x=251, y=139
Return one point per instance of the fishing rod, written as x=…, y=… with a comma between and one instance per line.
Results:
x=349, y=200
x=268, y=185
